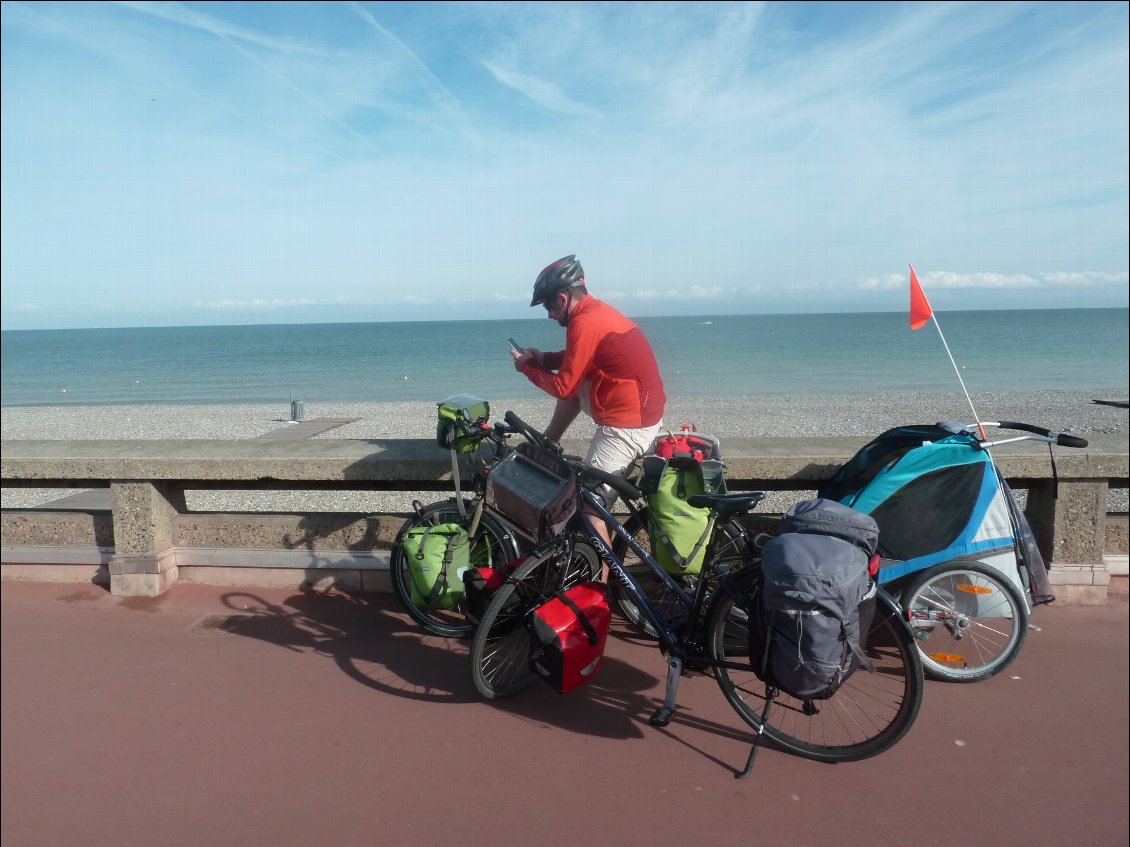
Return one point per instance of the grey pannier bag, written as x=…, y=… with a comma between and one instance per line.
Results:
x=810, y=614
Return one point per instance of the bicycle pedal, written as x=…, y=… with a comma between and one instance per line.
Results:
x=661, y=716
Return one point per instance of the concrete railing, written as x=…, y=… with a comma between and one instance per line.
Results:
x=148, y=538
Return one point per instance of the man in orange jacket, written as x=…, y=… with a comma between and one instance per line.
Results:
x=607, y=369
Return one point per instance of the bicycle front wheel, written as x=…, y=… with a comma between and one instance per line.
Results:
x=500, y=652
x=492, y=545
x=969, y=621
x=868, y=714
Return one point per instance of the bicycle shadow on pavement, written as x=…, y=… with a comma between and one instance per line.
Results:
x=364, y=637
x=621, y=699
x=371, y=641
x=617, y=704
x=377, y=645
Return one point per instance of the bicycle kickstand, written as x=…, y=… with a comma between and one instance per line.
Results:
x=662, y=716
x=756, y=740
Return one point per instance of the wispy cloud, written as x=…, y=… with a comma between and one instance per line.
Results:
x=177, y=13
x=951, y=280
x=268, y=303
x=540, y=91
x=695, y=293
x=231, y=36
x=444, y=99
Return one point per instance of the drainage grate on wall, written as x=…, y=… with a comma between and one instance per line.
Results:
x=220, y=623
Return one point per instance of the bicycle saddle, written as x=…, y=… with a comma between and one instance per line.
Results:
x=727, y=504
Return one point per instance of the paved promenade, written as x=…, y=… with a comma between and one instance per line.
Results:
x=232, y=716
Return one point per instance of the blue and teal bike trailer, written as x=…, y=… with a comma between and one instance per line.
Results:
x=938, y=498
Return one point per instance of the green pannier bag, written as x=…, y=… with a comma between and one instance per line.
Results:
x=679, y=532
x=461, y=409
x=437, y=557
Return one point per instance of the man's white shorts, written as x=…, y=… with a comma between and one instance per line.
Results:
x=613, y=449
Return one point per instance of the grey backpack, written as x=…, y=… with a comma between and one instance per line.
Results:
x=810, y=614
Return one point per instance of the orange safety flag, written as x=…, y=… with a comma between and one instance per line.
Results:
x=920, y=310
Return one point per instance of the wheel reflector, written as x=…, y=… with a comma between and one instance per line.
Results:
x=948, y=658
x=974, y=589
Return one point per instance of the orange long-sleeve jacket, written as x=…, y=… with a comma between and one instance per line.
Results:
x=610, y=359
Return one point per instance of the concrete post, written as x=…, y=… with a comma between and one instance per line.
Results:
x=143, y=563
x=1068, y=519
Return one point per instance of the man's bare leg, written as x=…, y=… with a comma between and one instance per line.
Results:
x=605, y=535
x=564, y=413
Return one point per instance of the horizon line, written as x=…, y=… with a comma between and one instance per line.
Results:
x=539, y=317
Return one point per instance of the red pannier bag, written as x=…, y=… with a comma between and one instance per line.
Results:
x=480, y=584
x=567, y=635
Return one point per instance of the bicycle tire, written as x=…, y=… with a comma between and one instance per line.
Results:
x=985, y=625
x=731, y=555
x=494, y=544
x=866, y=716
x=500, y=651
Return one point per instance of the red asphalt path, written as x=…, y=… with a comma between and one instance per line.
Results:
x=329, y=719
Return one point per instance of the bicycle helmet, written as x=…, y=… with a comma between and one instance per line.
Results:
x=564, y=273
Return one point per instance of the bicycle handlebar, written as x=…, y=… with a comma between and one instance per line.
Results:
x=532, y=434
x=1060, y=438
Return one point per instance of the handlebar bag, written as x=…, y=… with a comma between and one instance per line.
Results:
x=534, y=490
x=458, y=411
x=437, y=557
x=810, y=614
x=567, y=635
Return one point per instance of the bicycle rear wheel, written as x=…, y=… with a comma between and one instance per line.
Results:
x=500, y=652
x=866, y=716
x=730, y=553
x=969, y=621
x=493, y=544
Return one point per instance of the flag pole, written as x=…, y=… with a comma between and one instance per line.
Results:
x=968, y=399
x=920, y=312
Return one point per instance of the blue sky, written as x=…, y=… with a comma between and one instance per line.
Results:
x=231, y=163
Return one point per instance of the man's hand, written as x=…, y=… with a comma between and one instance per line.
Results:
x=530, y=354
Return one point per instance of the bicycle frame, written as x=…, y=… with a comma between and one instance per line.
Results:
x=671, y=633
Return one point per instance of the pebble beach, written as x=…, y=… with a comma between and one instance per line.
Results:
x=775, y=415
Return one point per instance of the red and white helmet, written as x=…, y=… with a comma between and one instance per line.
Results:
x=564, y=273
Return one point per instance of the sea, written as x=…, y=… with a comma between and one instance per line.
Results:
x=701, y=355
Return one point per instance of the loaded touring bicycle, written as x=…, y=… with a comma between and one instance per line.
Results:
x=955, y=545
x=453, y=536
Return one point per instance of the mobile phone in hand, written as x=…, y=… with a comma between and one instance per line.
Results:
x=514, y=345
